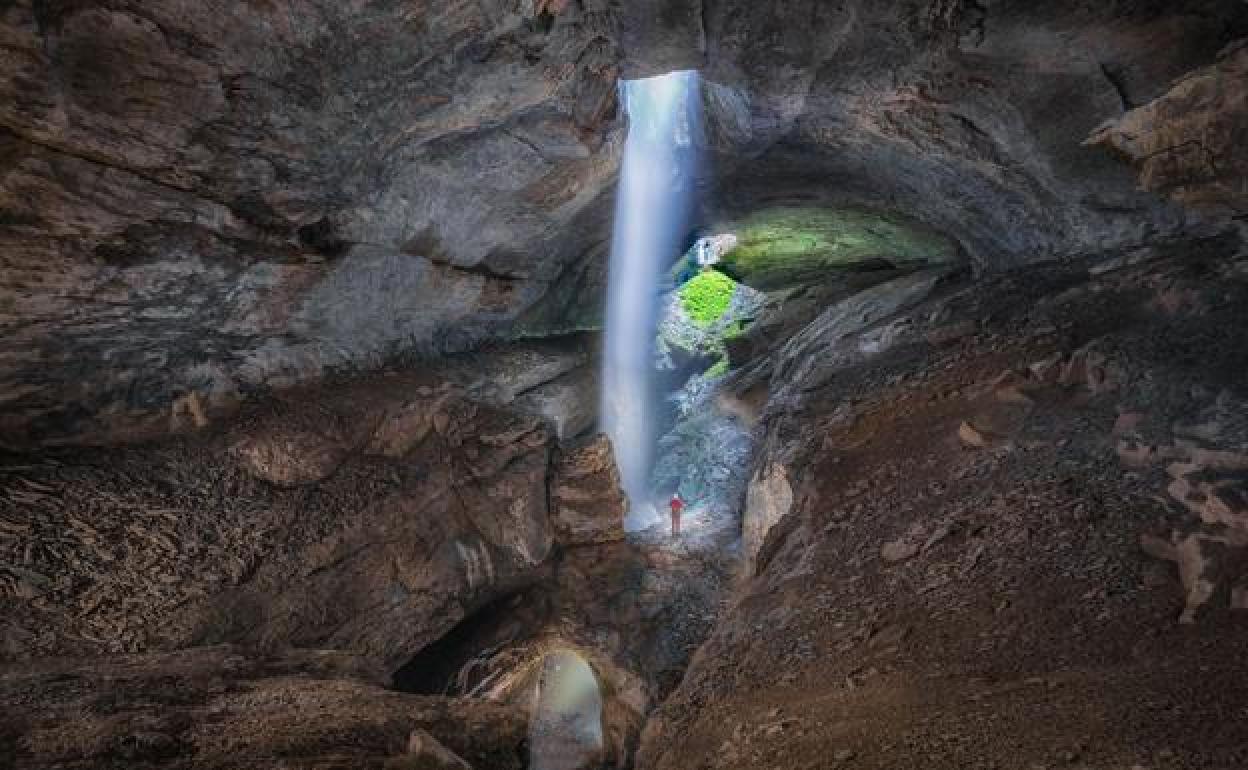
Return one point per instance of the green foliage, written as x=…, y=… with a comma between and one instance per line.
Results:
x=787, y=246
x=718, y=370
x=733, y=330
x=707, y=297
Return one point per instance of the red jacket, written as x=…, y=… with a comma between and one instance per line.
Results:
x=677, y=504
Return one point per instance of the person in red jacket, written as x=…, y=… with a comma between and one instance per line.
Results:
x=677, y=505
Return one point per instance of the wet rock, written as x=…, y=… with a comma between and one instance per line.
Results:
x=569, y=403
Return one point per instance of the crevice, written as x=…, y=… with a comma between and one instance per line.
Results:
x=444, y=666
x=1116, y=80
x=100, y=160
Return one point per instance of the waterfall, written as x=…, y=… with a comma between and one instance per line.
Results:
x=653, y=213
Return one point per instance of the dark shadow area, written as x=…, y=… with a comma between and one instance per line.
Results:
x=443, y=667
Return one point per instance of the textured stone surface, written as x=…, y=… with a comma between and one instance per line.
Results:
x=1192, y=142
x=372, y=516
x=219, y=198
x=587, y=503
x=992, y=607
x=220, y=707
x=222, y=197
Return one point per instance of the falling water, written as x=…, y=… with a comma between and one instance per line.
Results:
x=652, y=217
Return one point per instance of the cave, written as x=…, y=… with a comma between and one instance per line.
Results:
x=437, y=668
x=578, y=384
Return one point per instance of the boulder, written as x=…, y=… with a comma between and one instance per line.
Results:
x=1205, y=560
x=769, y=498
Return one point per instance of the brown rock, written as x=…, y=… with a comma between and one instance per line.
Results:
x=303, y=709
x=407, y=427
x=905, y=547
x=1205, y=561
x=1190, y=142
x=972, y=437
x=1128, y=422
x=289, y=456
x=424, y=752
x=588, y=504
x=1011, y=386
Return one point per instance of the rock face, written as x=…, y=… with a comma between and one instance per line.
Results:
x=358, y=182
x=956, y=579
x=1190, y=142
x=311, y=709
x=946, y=111
x=371, y=517
x=588, y=504
x=219, y=199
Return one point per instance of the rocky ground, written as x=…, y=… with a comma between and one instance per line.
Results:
x=963, y=504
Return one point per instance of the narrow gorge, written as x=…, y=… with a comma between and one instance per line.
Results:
x=586, y=384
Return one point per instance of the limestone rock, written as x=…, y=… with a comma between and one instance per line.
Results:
x=278, y=231
x=1190, y=142
x=290, y=527
x=769, y=498
x=404, y=428
x=905, y=547
x=289, y=456
x=306, y=708
x=950, y=333
x=588, y=505
x=569, y=403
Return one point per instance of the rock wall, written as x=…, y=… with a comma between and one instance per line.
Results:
x=370, y=517
x=219, y=198
x=1190, y=142
x=230, y=709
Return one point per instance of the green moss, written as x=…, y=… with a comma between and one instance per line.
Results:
x=707, y=297
x=718, y=370
x=787, y=246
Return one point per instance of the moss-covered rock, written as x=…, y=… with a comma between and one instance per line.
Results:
x=707, y=296
x=698, y=317
x=789, y=246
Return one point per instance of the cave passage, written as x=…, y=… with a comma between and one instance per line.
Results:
x=441, y=668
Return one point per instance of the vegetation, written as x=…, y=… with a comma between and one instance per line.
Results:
x=707, y=297
x=787, y=246
x=718, y=370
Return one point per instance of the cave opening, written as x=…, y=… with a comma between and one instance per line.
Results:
x=445, y=667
